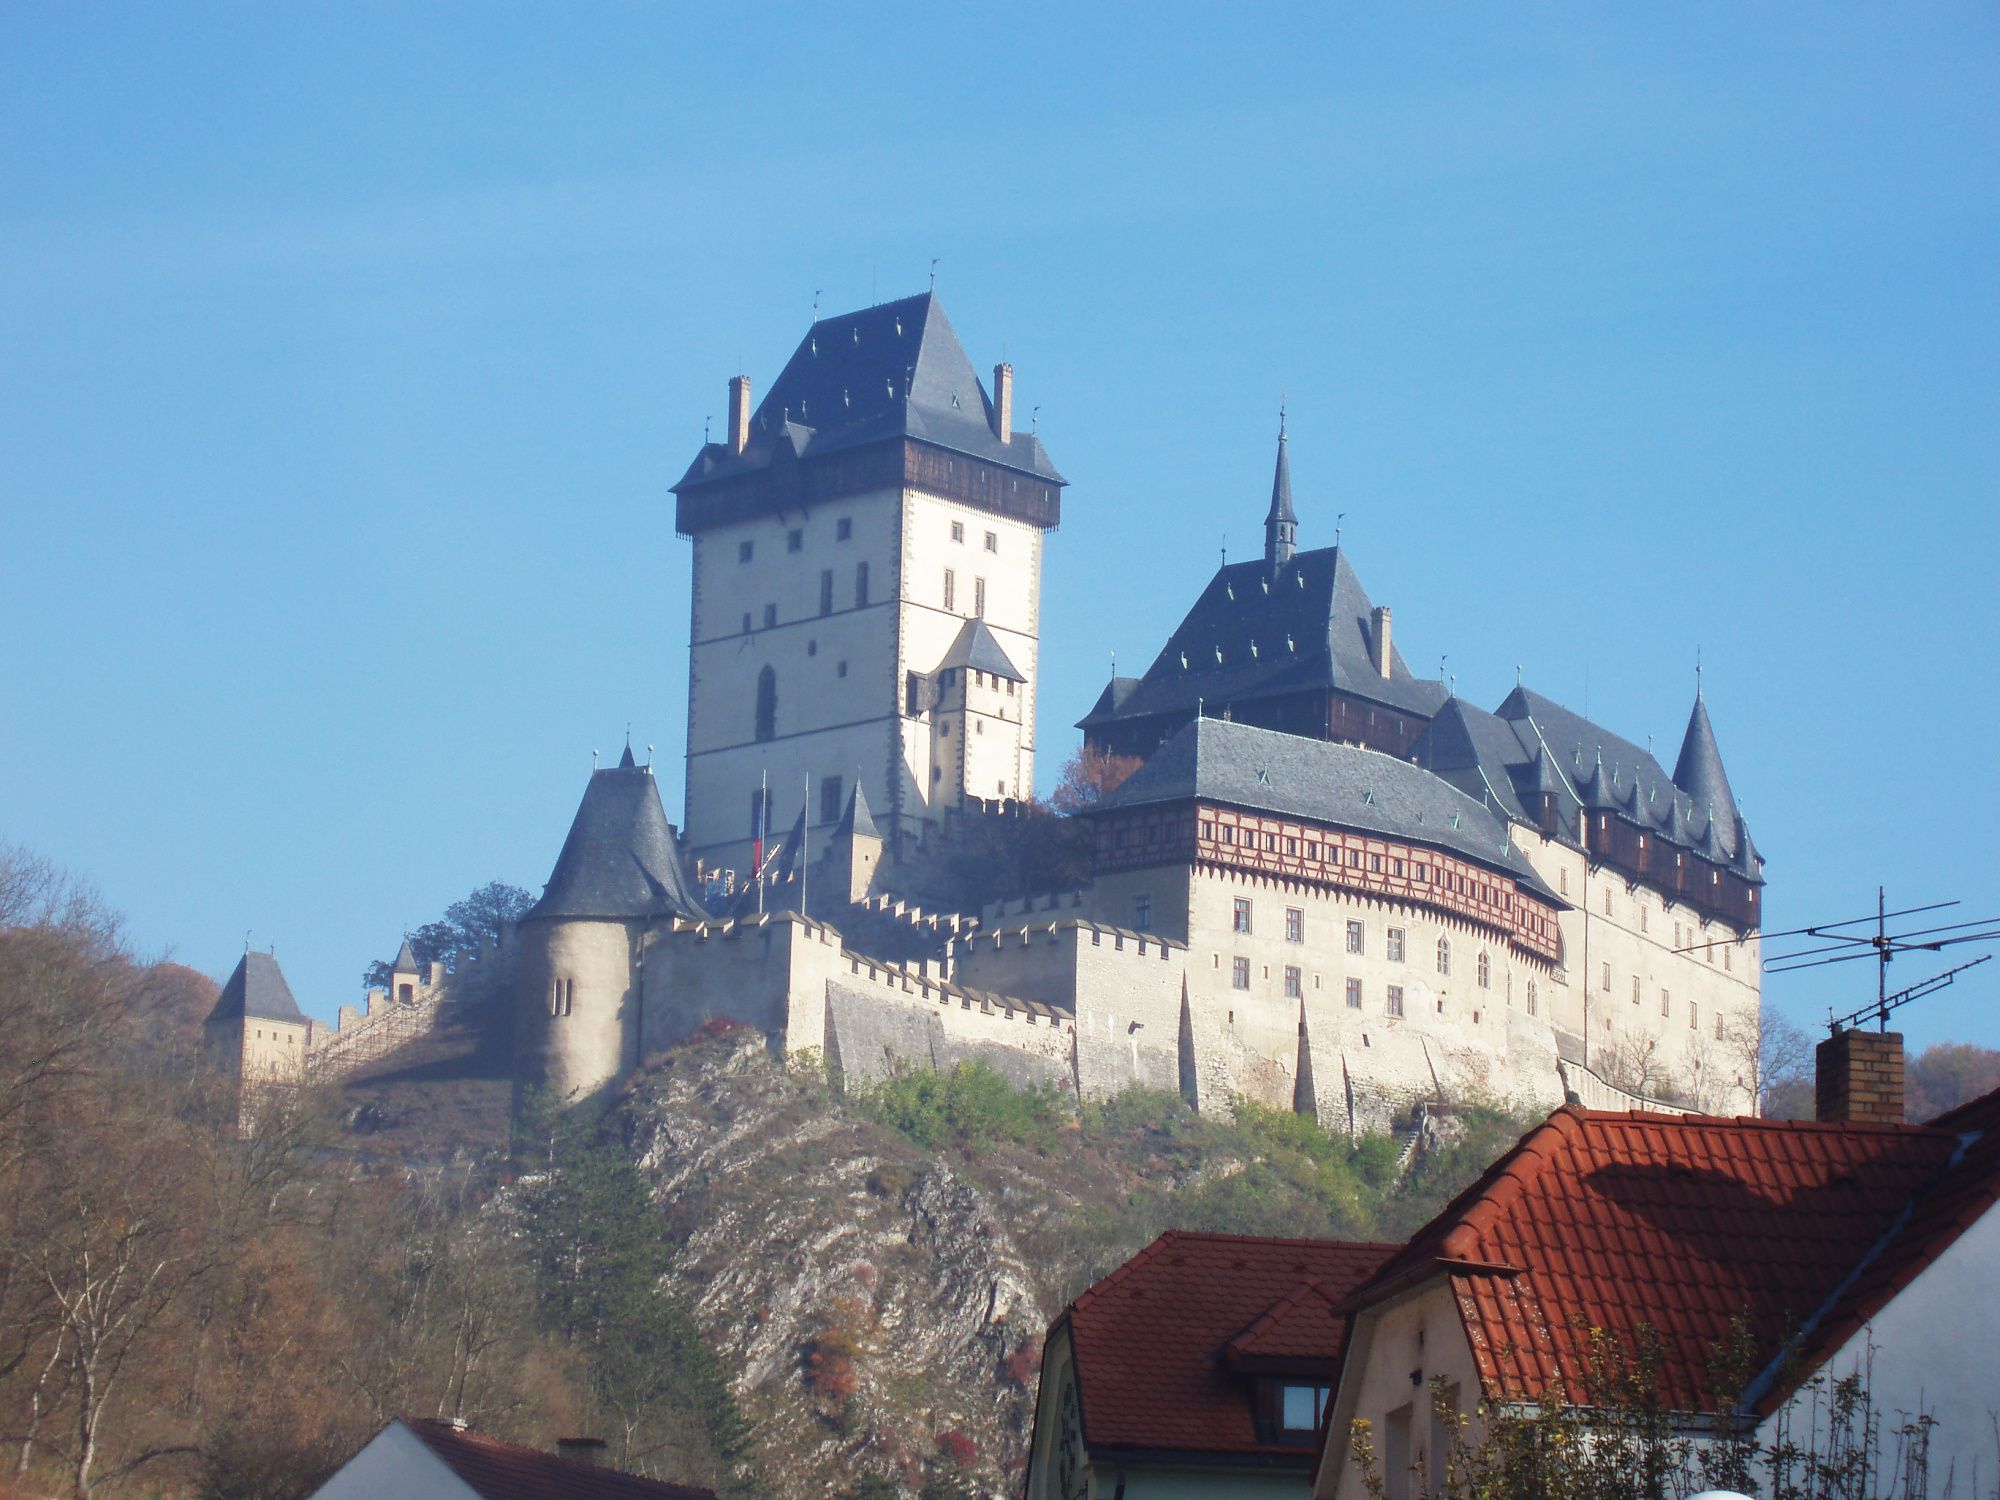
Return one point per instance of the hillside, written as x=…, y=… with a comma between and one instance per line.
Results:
x=877, y=1291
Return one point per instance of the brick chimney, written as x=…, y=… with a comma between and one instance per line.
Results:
x=581, y=1450
x=1378, y=639
x=1003, y=402
x=1858, y=1078
x=739, y=413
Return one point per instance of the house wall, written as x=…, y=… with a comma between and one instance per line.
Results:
x=828, y=723
x=1395, y=1352
x=1932, y=1350
x=1692, y=1029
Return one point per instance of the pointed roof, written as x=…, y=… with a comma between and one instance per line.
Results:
x=1281, y=485
x=625, y=761
x=1259, y=632
x=406, y=960
x=1146, y=1339
x=1699, y=773
x=978, y=648
x=1801, y=1232
x=889, y=371
x=621, y=858
x=857, y=821
x=257, y=989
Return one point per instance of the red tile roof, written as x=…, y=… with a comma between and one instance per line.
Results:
x=508, y=1471
x=1150, y=1340
x=1625, y=1222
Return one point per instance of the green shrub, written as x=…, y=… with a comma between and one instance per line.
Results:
x=970, y=1106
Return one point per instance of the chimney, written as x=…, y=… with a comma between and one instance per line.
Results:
x=582, y=1450
x=1003, y=402
x=739, y=413
x=1378, y=639
x=1858, y=1078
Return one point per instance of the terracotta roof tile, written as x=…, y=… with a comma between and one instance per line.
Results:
x=1150, y=1340
x=1629, y=1221
x=508, y=1471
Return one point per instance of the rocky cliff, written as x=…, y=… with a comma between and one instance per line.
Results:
x=880, y=1304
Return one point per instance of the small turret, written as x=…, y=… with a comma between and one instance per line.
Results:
x=1281, y=525
x=405, y=974
x=855, y=851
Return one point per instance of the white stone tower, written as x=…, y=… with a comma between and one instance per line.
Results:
x=844, y=534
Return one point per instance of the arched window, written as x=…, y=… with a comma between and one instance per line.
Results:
x=1444, y=955
x=1531, y=997
x=767, y=704
x=1485, y=970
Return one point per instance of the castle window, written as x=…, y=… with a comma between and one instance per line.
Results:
x=746, y=622
x=840, y=670
x=1666, y=1003
x=843, y=529
x=795, y=540
x=1725, y=957
x=745, y=551
x=1375, y=864
x=826, y=591
x=1444, y=955
x=1239, y=973
x=1485, y=971
x=829, y=799
x=1142, y=911
x=957, y=533
x=861, y=585
x=1228, y=833
x=1270, y=842
x=1718, y=1026
x=770, y=615
x=1395, y=945
x=944, y=729
x=1295, y=925
x=1531, y=997
x=1240, y=919
x=1294, y=982
x=1357, y=938
x=950, y=588
x=1635, y=989
x=992, y=541
x=1394, y=1005
x=1208, y=830
x=1562, y=881
x=767, y=704
x=1642, y=913
x=979, y=597
x=1354, y=994
x=812, y=648
x=1694, y=1015
x=1607, y=977
x=1607, y=901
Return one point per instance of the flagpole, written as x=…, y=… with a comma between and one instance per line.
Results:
x=757, y=850
x=805, y=840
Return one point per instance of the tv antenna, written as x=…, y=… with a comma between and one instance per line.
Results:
x=1837, y=943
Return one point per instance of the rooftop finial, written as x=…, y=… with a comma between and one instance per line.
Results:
x=1339, y=516
x=816, y=292
x=1697, y=674
x=934, y=266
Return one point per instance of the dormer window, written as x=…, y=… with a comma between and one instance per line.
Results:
x=1300, y=1408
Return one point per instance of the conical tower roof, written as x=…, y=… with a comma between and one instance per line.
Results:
x=1281, y=523
x=406, y=960
x=1699, y=773
x=857, y=820
x=621, y=858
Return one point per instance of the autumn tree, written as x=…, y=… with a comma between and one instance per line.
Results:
x=1088, y=776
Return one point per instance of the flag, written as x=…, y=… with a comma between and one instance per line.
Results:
x=757, y=827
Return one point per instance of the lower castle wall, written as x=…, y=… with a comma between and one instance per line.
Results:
x=575, y=1043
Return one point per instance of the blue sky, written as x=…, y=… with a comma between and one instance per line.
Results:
x=349, y=352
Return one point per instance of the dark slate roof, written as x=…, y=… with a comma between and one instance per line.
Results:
x=1281, y=486
x=1534, y=744
x=1111, y=702
x=405, y=961
x=1256, y=633
x=890, y=371
x=1343, y=786
x=621, y=858
x=495, y=1470
x=857, y=820
x=258, y=989
x=1699, y=773
x=977, y=648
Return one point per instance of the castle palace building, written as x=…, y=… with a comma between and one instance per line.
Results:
x=867, y=589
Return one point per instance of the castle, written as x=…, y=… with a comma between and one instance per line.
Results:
x=1328, y=885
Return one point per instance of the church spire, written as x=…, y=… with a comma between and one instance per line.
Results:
x=1281, y=526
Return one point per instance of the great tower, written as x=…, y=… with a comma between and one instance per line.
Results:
x=846, y=531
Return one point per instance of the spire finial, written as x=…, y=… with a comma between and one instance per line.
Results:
x=1281, y=416
x=816, y=292
x=934, y=266
x=1697, y=674
x=1339, y=516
